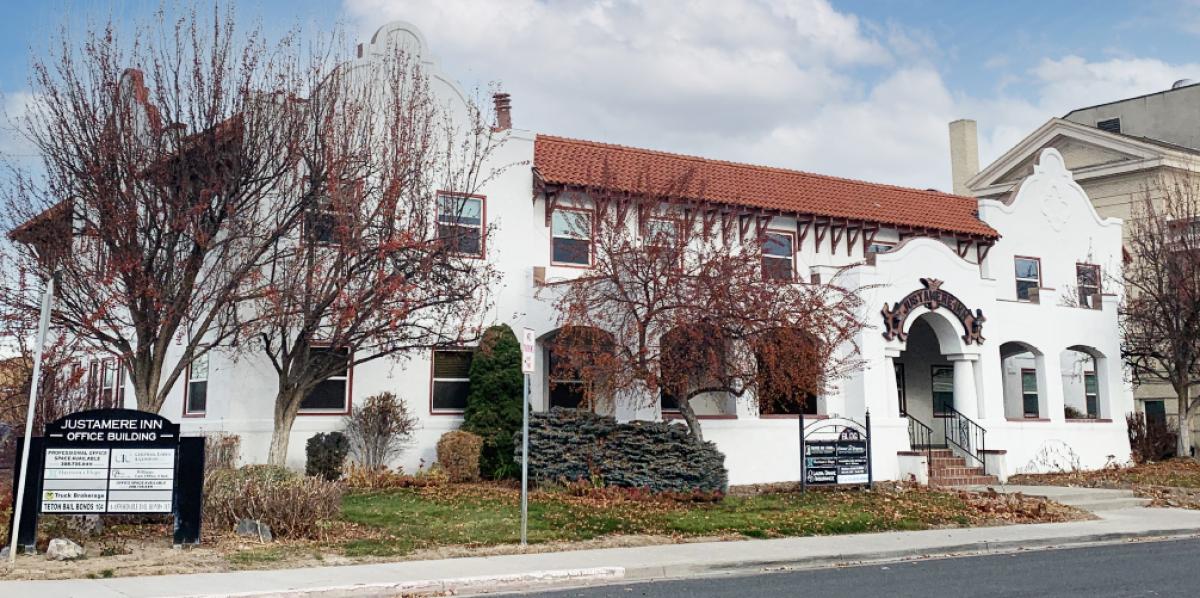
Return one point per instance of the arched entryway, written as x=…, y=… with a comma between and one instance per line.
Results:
x=935, y=376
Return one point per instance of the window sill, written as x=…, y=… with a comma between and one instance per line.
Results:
x=676, y=415
x=448, y=413
x=792, y=416
x=1088, y=420
x=195, y=414
x=567, y=265
x=303, y=413
x=1028, y=419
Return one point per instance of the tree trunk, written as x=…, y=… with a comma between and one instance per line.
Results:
x=689, y=416
x=287, y=405
x=1184, y=397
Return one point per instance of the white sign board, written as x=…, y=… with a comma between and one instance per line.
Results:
x=101, y=480
x=528, y=342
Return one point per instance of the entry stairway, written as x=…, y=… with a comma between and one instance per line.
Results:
x=948, y=469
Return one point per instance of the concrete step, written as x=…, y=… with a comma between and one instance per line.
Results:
x=975, y=480
x=957, y=472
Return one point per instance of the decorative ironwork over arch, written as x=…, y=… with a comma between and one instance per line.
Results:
x=932, y=297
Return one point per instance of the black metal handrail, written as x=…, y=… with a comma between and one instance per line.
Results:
x=921, y=436
x=965, y=434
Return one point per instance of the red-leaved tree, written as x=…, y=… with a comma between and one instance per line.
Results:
x=389, y=258
x=167, y=154
x=678, y=300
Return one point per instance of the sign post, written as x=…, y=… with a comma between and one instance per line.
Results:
x=31, y=410
x=527, y=363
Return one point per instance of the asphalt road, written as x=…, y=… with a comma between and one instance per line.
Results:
x=1145, y=569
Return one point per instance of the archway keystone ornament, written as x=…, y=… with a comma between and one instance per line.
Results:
x=933, y=298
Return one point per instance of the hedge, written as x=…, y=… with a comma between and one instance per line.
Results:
x=570, y=445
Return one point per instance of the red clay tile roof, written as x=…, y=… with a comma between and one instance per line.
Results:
x=574, y=162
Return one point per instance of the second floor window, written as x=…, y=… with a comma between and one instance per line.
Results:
x=777, y=257
x=331, y=395
x=571, y=238
x=879, y=247
x=321, y=222
x=197, y=386
x=660, y=232
x=1087, y=276
x=1029, y=278
x=460, y=222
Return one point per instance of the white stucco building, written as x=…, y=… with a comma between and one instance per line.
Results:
x=995, y=322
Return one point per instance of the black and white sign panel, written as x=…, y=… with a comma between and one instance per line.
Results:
x=124, y=463
x=840, y=461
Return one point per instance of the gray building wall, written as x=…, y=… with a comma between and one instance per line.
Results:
x=1172, y=115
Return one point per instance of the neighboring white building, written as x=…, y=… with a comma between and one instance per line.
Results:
x=979, y=325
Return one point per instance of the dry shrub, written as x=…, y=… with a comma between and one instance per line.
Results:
x=379, y=430
x=458, y=454
x=221, y=451
x=364, y=478
x=1150, y=440
x=294, y=506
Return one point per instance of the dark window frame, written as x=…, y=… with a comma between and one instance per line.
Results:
x=481, y=227
x=791, y=257
x=1098, y=288
x=1019, y=279
x=933, y=394
x=433, y=380
x=1037, y=398
x=349, y=380
x=189, y=392
x=591, y=238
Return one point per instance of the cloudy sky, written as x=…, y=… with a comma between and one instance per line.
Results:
x=860, y=88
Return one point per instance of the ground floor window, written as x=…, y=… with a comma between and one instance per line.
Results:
x=197, y=386
x=331, y=395
x=451, y=380
x=1091, y=393
x=943, y=390
x=566, y=389
x=668, y=402
x=1029, y=393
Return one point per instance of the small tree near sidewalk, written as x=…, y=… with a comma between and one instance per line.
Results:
x=494, y=403
x=1160, y=315
x=680, y=301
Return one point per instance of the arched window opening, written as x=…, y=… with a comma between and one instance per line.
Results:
x=1023, y=368
x=1082, y=369
x=693, y=362
x=790, y=375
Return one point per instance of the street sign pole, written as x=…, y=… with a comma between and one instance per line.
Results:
x=43, y=329
x=527, y=363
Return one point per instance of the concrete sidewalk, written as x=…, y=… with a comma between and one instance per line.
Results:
x=480, y=574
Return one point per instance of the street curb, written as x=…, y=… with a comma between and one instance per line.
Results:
x=966, y=549
x=438, y=587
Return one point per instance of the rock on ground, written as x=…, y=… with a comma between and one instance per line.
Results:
x=61, y=549
x=253, y=528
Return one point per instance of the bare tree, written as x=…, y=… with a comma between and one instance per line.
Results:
x=680, y=300
x=159, y=189
x=1160, y=315
x=389, y=259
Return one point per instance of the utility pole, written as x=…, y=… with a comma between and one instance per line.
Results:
x=43, y=330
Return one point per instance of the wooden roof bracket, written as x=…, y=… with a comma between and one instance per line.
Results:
x=964, y=245
x=868, y=237
x=852, y=235
x=819, y=234
x=551, y=203
x=981, y=251
x=835, y=236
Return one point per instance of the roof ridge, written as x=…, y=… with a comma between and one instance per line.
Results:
x=695, y=158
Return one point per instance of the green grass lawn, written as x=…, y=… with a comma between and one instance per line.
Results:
x=400, y=521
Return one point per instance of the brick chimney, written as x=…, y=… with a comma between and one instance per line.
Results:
x=964, y=154
x=503, y=111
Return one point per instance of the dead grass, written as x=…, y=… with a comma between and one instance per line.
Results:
x=454, y=520
x=1173, y=483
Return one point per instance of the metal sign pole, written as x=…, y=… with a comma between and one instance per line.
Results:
x=525, y=463
x=803, y=481
x=528, y=344
x=43, y=329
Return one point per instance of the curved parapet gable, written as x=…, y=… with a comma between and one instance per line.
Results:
x=401, y=37
x=1054, y=189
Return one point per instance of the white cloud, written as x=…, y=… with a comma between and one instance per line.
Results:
x=793, y=83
